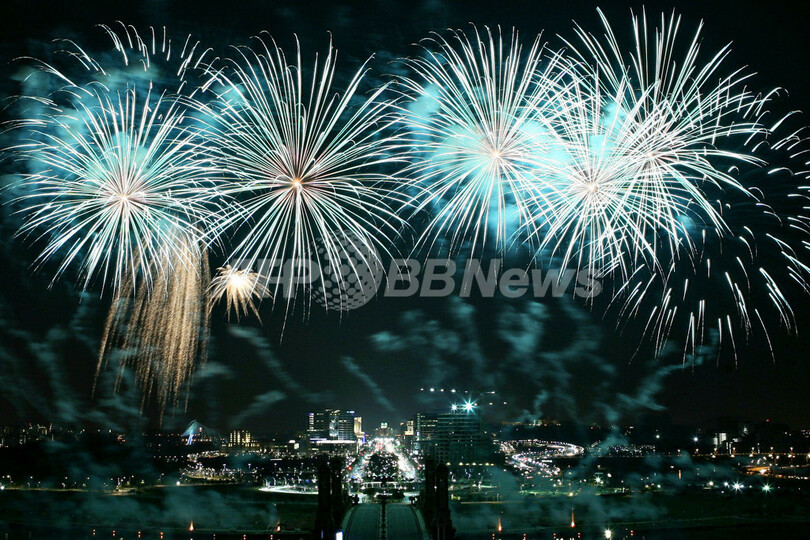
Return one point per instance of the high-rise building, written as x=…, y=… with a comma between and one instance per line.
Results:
x=407, y=434
x=425, y=433
x=345, y=425
x=358, y=427
x=332, y=424
x=453, y=437
x=461, y=437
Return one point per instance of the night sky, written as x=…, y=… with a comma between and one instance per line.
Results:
x=559, y=358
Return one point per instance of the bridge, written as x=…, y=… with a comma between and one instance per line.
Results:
x=337, y=518
x=384, y=522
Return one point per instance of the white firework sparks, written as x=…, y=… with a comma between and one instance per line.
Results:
x=239, y=288
x=657, y=184
x=307, y=165
x=121, y=181
x=476, y=122
x=632, y=163
x=647, y=144
x=742, y=282
x=149, y=59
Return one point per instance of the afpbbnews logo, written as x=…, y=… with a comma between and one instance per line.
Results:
x=356, y=278
x=440, y=277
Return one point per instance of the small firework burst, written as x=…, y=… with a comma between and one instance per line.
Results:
x=239, y=288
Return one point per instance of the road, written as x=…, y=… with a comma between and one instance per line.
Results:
x=402, y=522
x=363, y=523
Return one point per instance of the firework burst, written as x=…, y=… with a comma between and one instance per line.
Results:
x=115, y=170
x=476, y=119
x=308, y=166
x=647, y=143
x=239, y=288
x=121, y=181
x=659, y=182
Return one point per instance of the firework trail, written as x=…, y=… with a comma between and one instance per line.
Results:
x=162, y=332
x=239, y=288
x=308, y=166
x=475, y=119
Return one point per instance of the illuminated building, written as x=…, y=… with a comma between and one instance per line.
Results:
x=456, y=436
x=383, y=431
x=241, y=439
x=334, y=425
x=425, y=433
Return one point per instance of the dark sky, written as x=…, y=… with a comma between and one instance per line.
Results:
x=558, y=359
